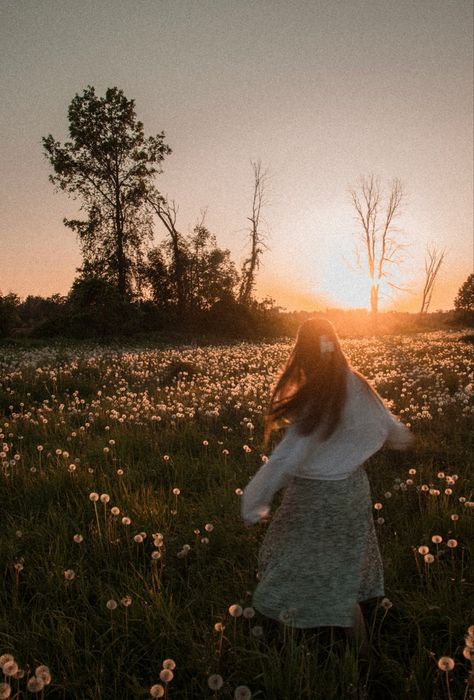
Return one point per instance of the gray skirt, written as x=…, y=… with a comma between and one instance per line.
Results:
x=320, y=554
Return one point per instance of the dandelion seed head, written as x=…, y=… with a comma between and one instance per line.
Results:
x=5, y=658
x=115, y=511
x=242, y=692
x=111, y=604
x=94, y=497
x=176, y=491
x=423, y=549
x=166, y=675
x=437, y=539
x=429, y=558
x=69, y=574
x=446, y=663
x=157, y=691
x=248, y=613
x=10, y=668
x=78, y=538
x=104, y=498
x=170, y=664
x=35, y=685
x=257, y=631
x=235, y=610
x=209, y=527
x=5, y=691
x=386, y=603
x=452, y=543
x=215, y=681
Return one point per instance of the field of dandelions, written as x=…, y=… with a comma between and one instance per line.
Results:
x=127, y=571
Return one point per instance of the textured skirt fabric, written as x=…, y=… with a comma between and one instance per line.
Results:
x=320, y=554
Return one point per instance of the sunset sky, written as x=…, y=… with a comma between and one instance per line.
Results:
x=322, y=91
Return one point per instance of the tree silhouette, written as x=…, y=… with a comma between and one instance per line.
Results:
x=378, y=235
x=433, y=261
x=257, y=245
x=110, y=165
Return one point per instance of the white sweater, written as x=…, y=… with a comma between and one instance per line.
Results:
x=365, y=426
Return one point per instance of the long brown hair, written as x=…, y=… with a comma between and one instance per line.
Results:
x=311, y=390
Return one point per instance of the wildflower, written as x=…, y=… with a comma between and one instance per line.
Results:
x=104, y=498
x=468, y=653
x=452, y=543
x=429, y=558
x=94, y=497
x=69, y=574
x=239, y=492
x=446, y=663
x=412, y=472
x=248, y=613
x=242, y=692
x=378, y=506
x=78, y=538
x=437, y=539
x=169, y=663
x=157, y=691
x=215, y=681
x=115, y=511
x=208, y=527
x=235, y=610
x=126, y=521
x=155, y=555
x=138, y=539
x=166, y=675
x=423, y=549
x=119, y=472
x=176, y=491
x=126, y=601
x=219, y=627
x=111, y=604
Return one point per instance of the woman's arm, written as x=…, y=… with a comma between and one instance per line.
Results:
x=272, y=476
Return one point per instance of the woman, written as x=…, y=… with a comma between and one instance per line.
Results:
x=320, y=556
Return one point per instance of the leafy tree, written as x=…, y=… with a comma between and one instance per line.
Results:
x=464, y=301
x=9, y=317
x=110, y=165
x=208, y=273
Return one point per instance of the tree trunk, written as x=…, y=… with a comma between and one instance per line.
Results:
x=374, y=300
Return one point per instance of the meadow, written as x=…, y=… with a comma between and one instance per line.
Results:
x=127, y=571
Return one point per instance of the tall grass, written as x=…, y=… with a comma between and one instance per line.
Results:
x=139, y=425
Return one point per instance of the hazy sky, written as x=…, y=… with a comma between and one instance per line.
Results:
x=321, y=91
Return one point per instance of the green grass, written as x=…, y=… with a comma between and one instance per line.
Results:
x=96, y=653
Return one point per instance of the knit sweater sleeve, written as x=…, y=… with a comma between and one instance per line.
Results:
x=272, y=476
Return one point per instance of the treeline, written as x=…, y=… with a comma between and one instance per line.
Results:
x=93, y=310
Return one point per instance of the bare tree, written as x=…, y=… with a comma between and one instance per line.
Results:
x=433, y=261
x=167, y=213
x=257, y=245
x=378, y=235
